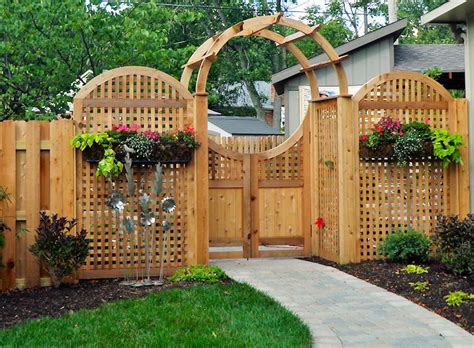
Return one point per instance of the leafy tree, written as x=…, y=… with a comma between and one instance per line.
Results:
x=415, y=33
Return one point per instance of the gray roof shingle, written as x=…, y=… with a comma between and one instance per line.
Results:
x=449, y=58
x=243, y=125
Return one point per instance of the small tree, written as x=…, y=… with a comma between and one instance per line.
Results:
x=62, y=250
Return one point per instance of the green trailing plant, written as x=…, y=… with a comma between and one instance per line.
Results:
x=454, y=241
x=109, y=165
x=85, y=140
x=446, y=146
x=406, y=246
x=415, y=269
x=408, y=147
x=420, y=285
x=458, y=298
x=199, y=273
x=61, y=247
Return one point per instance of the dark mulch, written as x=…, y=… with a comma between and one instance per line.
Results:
x=441, y=282
x=19, y=306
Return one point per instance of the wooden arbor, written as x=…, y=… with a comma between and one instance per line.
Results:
x=288, y=174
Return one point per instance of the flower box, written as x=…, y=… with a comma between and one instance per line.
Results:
x=165, y=153
x=385, y=151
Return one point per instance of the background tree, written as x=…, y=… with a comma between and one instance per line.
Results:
x=415, y=33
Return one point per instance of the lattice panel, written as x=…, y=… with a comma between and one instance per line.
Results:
x=327, y=137
x=224, y=168
x=393, y=197
x=287, y=166
x=155, y=101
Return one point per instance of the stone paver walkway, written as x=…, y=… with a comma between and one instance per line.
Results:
x=343, y=311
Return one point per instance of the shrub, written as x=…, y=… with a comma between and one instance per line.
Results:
x=62, y=251
x=199, y=273
x=454, y=241
x=406, y=246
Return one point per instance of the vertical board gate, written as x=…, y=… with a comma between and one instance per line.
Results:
x=257, y=200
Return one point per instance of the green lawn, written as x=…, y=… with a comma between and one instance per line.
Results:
x=232, y=315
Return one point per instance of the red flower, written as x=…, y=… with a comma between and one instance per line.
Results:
x=364, y=137
x=378, y=129
x=400, y=133
x=380, y=134
x=320, y=222
x=427, y=120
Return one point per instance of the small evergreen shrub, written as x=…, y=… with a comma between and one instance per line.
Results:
x=454, y=241
x=406, y=246
x=199, y=273
x=62, y=251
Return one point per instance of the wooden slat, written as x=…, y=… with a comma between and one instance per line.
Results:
x=298, y=35
x=226, y=183
x=44, y=145
x=33, y=199
x=292, y=240
x=8, y=182
x=280, y=183
x=134, y=103
x=396, y=105
x=326, y=63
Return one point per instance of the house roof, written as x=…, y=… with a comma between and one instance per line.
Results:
x=454, y=11
x=241, y=125
x=449, y=58
x=394, y=29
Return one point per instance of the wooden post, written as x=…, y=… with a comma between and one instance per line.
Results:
x=255, y=207
x=314, y=174
x=307, y=223
x=246, y=207
x=462, y=171
x=347, y=181
x=201, y=198
x=8, y=182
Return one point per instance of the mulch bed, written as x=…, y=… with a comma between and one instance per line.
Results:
x=441, y=282
x=20, y=306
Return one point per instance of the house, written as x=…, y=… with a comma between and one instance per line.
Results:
x=240, y=126
x=369, y=56
x=461, y=12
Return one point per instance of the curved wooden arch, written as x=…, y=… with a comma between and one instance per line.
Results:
x=233, y=155
x=207, y=52
x=138, y=70
x=397, y=75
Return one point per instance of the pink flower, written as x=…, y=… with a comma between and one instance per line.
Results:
x=427, y=120
x=400, y=133
x=135, y=127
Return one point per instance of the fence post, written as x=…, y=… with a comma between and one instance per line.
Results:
x=201, y=197
x=347, y=181
x=462, y=172
x=314, y=173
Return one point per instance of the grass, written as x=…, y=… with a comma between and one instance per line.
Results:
x=234, y=315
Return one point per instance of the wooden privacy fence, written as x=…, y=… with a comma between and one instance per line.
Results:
x=37, y=164
x=258, y=199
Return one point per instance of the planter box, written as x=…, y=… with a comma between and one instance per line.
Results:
x=162, y=153
x=385, y=152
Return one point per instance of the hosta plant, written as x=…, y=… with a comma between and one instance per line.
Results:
x=415, y=269
x=457, y=298
x=420, y=285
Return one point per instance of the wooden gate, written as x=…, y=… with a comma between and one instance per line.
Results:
x=257, y=205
